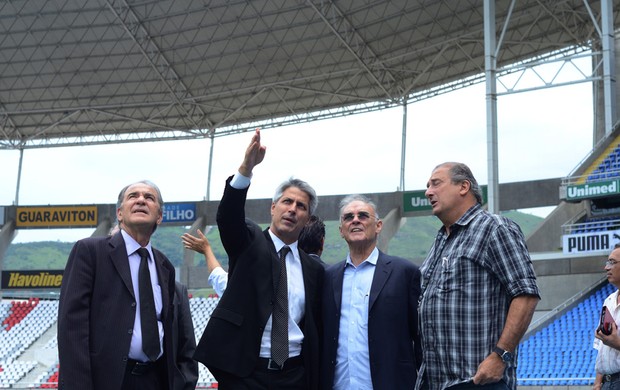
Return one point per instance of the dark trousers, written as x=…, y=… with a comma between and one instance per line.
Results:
x=292, y=378
x=470, y=386
x=145, y=377
x=611, y=382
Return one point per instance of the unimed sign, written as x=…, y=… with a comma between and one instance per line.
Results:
x=592, y=190
x=417, y=201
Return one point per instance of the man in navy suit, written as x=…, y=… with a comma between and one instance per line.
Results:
x=99, y=323
x=237, y=344
x=369, y=309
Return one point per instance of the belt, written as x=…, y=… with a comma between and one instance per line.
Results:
x=268, y=364
x=139, y=368
x=611, y=377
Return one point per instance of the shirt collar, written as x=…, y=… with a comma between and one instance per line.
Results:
x=371, y=259
x=466, y=218
x=279, y=244
x=132, y=245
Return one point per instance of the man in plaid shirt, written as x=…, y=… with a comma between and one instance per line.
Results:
x=478, y=289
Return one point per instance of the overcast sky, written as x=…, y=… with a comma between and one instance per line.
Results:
x=542, y=134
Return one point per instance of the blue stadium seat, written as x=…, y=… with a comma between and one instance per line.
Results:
x=540, y=364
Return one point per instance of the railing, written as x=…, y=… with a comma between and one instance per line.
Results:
x=585, y=227
x=584, y=381
x=593, y=177
x=552, y=314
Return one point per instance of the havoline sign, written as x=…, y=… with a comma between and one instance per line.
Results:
x=592, y=190
x=31, y=279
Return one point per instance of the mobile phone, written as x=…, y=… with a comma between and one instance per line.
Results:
x=605, y=322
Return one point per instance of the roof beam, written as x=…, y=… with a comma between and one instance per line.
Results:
x=160, y=65
x=348, y=35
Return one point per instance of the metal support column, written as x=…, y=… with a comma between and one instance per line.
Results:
x=211, y=135
x=19, y=177
x=403, y=147
x=490, y=64
x=609, y=64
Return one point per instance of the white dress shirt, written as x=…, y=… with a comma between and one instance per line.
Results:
x=608, y=358
x=296, y=292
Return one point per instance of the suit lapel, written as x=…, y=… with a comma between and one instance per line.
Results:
x=382, y=273
x=309, y=282
x=164, y=281
x=275, y=261
x=337, y=285
x=120, y=260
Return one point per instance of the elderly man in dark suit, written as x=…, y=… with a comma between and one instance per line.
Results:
x=254, y=340
x=116, y=311
x=369, y=309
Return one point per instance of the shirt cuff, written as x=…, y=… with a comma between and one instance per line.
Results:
x=240, y=182
x=218, y=279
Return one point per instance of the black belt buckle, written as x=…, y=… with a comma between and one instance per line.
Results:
x=140, y=368
x=272, y=365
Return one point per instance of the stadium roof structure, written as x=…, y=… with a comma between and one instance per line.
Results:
x=76, y=72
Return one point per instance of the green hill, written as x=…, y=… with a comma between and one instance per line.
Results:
x=412, y=242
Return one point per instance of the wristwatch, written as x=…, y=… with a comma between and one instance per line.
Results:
x=507, y=356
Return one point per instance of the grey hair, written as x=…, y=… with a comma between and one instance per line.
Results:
x=459, y=173
x=357, y=198
x=313, y=200
x=121, y=195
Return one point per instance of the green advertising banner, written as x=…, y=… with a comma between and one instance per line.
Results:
x=592, y=190
x=417, y=201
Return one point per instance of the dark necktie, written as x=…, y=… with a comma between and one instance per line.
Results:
x=279, y=318
x=148, y=317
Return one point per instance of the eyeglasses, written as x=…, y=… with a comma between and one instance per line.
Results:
x=361, y=216
x=611, y=263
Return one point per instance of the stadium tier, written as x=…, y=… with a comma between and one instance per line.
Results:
x=607, y=166
x=562, y=352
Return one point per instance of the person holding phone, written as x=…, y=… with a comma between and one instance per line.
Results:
x=608, y=345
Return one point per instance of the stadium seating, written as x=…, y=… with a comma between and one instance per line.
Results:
x=595, y=224
x=23, y=322
x=562, y=353
x=608, y=168
x=201, y=309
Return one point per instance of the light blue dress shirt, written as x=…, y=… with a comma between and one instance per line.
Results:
x=353, y=361
x=135, y=347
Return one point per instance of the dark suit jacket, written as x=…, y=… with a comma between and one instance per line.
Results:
x=231, y=340
x=393, y=342
x=96, y=314
x=185, y=374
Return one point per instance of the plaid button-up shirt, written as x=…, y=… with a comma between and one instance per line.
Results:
x=468, y=281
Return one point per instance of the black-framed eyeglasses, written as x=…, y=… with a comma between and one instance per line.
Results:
x=611, y=262
x=361, y=216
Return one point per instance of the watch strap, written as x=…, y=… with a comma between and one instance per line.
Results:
x=506, y=356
